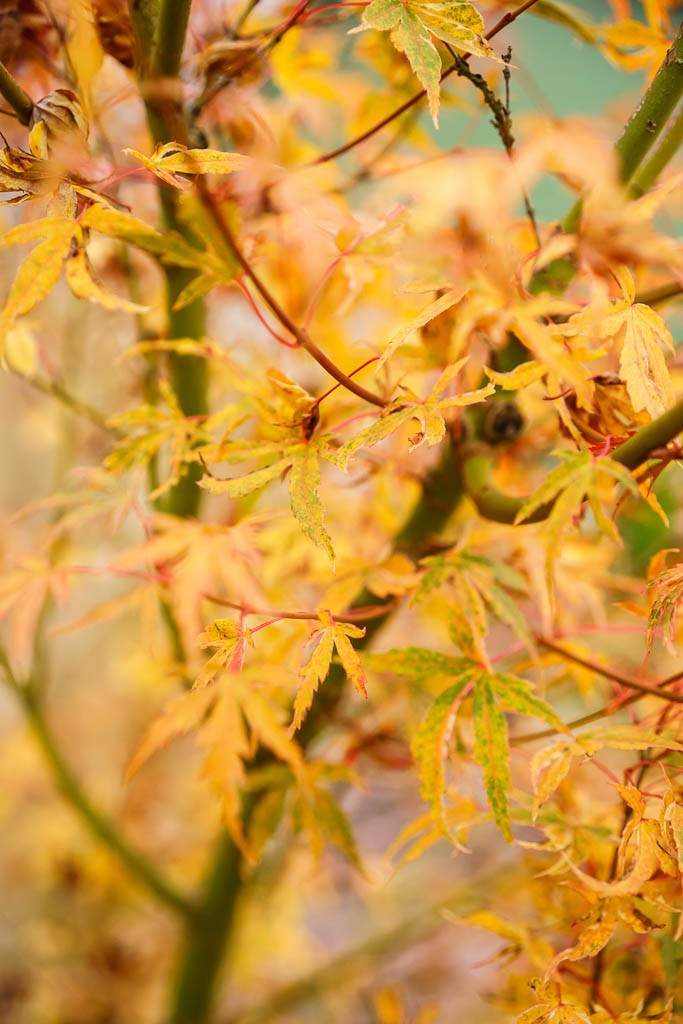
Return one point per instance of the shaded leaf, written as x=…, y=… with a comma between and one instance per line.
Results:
x=307, y=508
x=491, y=752
x=431, y=741
x=81, y=281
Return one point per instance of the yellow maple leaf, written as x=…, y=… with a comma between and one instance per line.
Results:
x=640, y=333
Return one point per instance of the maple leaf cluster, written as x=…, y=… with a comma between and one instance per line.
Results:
x=342, y=513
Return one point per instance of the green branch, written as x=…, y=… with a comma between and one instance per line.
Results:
x=661, y=293
x=653, y=112
x=665, y=428
x=646, y=125
x=670, y=142
x=144, y=15
x=161, y=34
x=478, y=463
x=169, y=37
x=138, y=866
x=208, y=935
x=20, y=102
x=205, y=944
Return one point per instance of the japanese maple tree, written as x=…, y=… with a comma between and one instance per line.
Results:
x=341, y=570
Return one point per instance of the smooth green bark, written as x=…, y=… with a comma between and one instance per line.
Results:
x=20, y=102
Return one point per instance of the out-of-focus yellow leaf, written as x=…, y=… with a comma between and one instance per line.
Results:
x=180, y=716
x=84, y=47
x=80, y=279
x=36, y=276
x=434, y=309
x=173, y=163
x=21, y=352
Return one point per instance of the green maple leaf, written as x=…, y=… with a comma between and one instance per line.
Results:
x=413, y=24
x=575, y=480
x=481, y=584
x=301, y=460
x=494, y=693
x=428, y=414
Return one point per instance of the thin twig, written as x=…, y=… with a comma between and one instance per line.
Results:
x=608, y=673
x=375, y=611
x=506, y=20
x=211, y=90
x=641, y=690
x=75, y=405
x=299, y=333
x=502, y=118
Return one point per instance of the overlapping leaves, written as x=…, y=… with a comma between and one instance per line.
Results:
x=175, y=164
x=230, y=715
x=641, y=335
x=493, y=694
x=62, y=246
x=415, y=23
x=579, y=477
x=428, y=414
x=301, y=460
x=482, y=585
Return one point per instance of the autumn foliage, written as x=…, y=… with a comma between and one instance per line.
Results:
x=341, y=559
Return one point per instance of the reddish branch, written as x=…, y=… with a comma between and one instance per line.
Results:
x=300, y=334
x=375, y=611
x=659, y=690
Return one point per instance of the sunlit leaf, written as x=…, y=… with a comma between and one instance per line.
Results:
x=313, y=673
x=332, y=636
x=172, y=162
x=412, y=26
x=307, y=508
